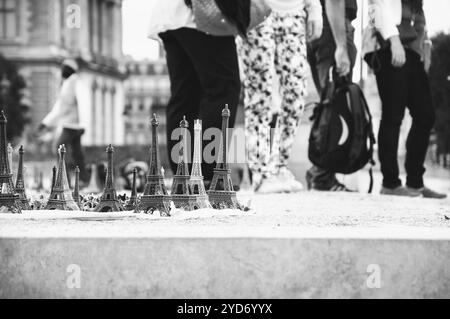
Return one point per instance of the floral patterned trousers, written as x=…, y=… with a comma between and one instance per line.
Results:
x=278, y=46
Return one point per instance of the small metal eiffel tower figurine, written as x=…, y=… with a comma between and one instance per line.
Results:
x=20, y=183
x=196, y=181
x=221, y=193
x=61, y=195
x=109, y=202
x=9, y=201
x=182, y=195
x=10, y=158
x=133, y=201
x=156, y=197
x=38, y=180
x=246, y=184
x=54, y=170
x=94, y=183
x=76, y=188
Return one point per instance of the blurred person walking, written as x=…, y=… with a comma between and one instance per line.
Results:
x=335, y=48
x=66, y=117
x=400, y=54
x=203, y=69
x=278, y=46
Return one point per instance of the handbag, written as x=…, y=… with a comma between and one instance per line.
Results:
x=210, y=20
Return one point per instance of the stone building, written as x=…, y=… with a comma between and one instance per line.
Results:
x=37, y=35
x=147, y=91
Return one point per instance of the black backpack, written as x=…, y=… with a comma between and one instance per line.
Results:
x=342, y=139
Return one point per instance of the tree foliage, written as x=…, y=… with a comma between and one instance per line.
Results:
x=440, y=87
x=15, y=110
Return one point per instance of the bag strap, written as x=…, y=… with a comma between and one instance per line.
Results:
x=372, y=141
x=356, y=93
x=353, y=95
x=327, y=94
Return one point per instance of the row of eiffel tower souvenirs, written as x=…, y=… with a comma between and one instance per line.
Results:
x=188, y=190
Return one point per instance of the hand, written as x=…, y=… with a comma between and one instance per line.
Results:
x=42, y=127
x=342, y=61
x=398, y=52
x=313, y=30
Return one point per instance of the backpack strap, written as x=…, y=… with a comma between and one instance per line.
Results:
x=357, y=96
x=354, y=96
x=372, y=141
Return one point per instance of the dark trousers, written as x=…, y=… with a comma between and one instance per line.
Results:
x=321, y=59
x=401, y=88
x=204, y=76
x=75, y=157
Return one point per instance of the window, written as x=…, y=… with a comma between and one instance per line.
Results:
x=8, y=19
x=109, y=32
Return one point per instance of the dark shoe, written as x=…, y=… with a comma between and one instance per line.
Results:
x=400, y=191
x=334, y=186
x=338, y=187
x=429, y=193
x=309, y=180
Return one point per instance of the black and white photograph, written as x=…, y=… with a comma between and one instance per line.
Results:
x=224, y=155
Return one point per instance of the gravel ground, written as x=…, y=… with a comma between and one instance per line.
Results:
x=280, y=214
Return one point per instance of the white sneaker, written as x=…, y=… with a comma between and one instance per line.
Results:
x=272, y=185
x=285, y=176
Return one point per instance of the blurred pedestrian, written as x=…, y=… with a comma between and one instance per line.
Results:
x=278, y=46
x=66, y=116
x=335, y=48
x=400, y=56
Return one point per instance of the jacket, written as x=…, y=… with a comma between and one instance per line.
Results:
x=66, y=112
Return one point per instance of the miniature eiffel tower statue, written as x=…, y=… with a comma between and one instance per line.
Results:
x=246, y=184
x=38, y=180
x=221, y=193
x=10, y=158
x=133, y=202
x=109, y=202
x=76, y=188
x=61, y=195
x=94, y=182
x=156, y=197
x=196, y=181
x=182, y=195
x=54, y=170
x=9, y=201
x=20, y=183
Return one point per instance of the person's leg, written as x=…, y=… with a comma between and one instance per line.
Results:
x=393, y=89
x=186, y=91
x=321, y=58
x=78, y=155
x=215, y=62
x=423, y=117
x=66, y=138
x=291, y=67
x=257, y=54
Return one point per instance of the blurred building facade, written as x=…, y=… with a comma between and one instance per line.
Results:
x=38, y=35
x=147, y=91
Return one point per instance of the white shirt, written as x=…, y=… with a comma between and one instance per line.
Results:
x=169, y=15
x=385, y=16
x=312, y=7
x=66, y=113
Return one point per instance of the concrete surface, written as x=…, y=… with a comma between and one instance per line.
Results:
x=310, y=245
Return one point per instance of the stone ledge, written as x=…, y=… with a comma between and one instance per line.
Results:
x=224, y=268
x=291, y=246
